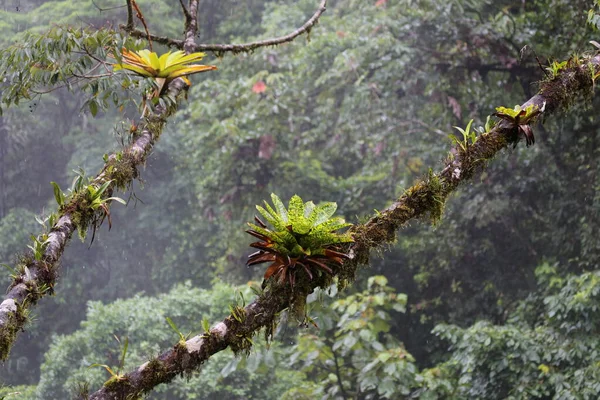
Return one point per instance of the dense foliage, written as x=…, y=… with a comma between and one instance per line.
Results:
x=501, y=296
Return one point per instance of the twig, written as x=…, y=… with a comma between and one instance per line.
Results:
x=140, y=16
x=91, y=55
x=337, y=371
x=92, y=76
x=167, y=41
x=129, y=25
x=106, y=9
x=54, y=88
x=186, y=12
x=236, y=48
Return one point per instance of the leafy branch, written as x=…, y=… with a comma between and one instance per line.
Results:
x=87, y=205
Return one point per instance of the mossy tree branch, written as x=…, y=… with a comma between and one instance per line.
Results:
x=36, y=278
x=424, y=198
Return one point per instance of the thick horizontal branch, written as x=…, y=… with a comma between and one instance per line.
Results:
x=424, y=198
x=235, y=48
x=36, y=278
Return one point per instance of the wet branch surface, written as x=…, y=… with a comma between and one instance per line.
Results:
x=36, y=278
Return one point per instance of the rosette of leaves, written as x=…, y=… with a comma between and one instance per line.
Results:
x=162, y=69
x=521, y=118
x=304, y=239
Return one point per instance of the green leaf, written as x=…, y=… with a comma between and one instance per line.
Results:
x=468, y=128
x=11, y=269
x=295, y=209
x=124, y=353
x=509, y=112
x=205, y=325
x=489, y=124
x=106, y=367
x=101, y=190
x=377, y=280
x=383, y=357
x=461, y=130
x=174, y=327
x=268, y=233
x=309, y=206
x=58, y=194
x=93, y=106
x=117, y=199
x=324, y=212
x=281, y=210
x=333, y=224
x=271, y=216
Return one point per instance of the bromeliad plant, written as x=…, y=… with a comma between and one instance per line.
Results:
x=87, y=199
x=304, y=238
x=521, y=118
x=162, y=69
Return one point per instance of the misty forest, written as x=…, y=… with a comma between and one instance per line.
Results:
x=299, y=199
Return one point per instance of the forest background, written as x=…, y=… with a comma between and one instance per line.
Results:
x=501, y=298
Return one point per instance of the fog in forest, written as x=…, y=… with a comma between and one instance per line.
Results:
x=470, y=270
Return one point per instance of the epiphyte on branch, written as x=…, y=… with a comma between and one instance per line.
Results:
x=303, y=239
x=521, y=118
x=163, y=69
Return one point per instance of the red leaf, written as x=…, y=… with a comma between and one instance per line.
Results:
x=259, y=87
x=380, y=3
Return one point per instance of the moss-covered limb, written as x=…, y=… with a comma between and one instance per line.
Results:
x=36, y=278
x=575, y=81
x=235, y=332
x=425, y=198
